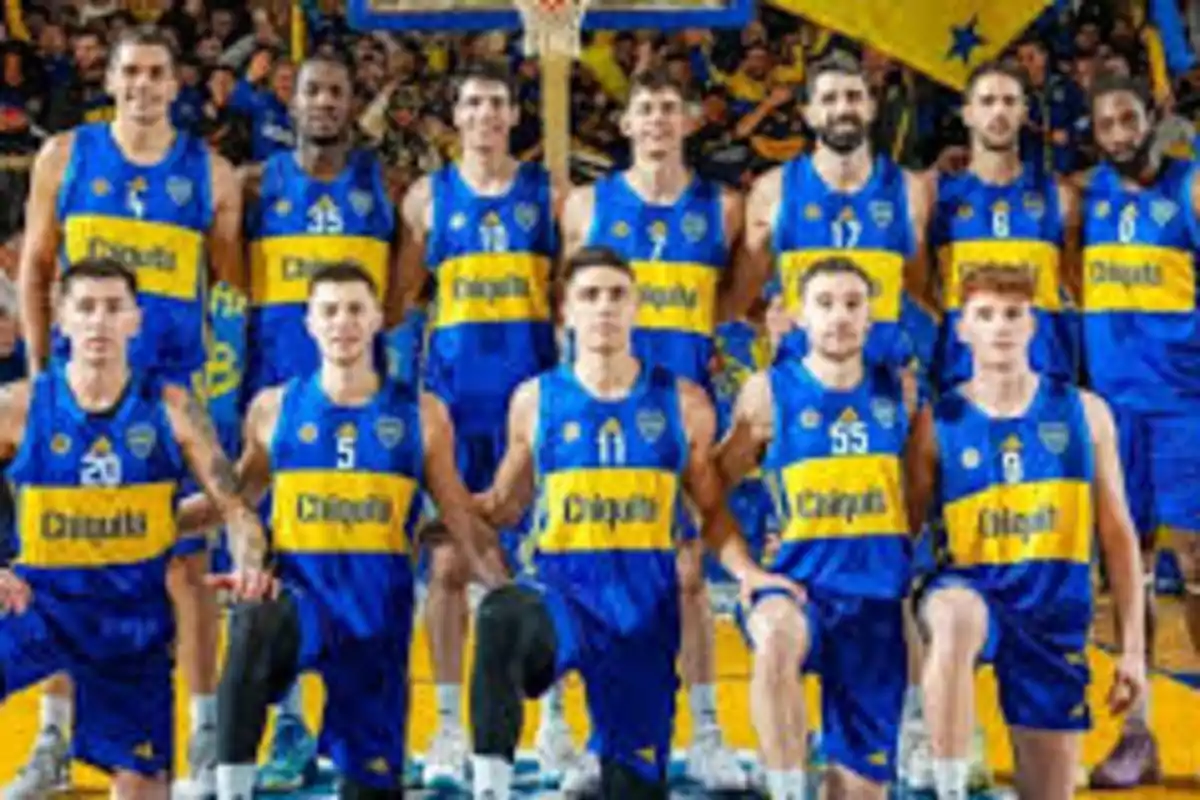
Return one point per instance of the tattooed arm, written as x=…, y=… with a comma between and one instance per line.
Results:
x=198, y=439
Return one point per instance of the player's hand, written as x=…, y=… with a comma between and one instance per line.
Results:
x=246, y=584
x=14, y=593
x=758, y=580
x=1129, y=683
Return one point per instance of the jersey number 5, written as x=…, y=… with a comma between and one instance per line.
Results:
x=345, y=452
x=848, y=438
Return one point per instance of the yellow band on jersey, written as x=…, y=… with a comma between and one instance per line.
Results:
x=844, y=497
x=1041, y=259
x=608, y=509
x=281, y=266
x=884, y=267
x=1124, y=277
x=493, y=287
x=96, y=526
x=334, y=511
x=165, y=257
x=1013, y=524
x=676, y=296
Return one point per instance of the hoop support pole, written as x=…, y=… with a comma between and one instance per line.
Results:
x=556, y=114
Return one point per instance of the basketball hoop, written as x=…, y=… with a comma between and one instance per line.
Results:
x=552, y=27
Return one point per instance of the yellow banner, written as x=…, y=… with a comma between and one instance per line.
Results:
x=945, y=39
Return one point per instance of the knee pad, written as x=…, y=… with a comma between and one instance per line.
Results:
x=513, y=627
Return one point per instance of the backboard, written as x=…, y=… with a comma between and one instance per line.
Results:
x=479, y=15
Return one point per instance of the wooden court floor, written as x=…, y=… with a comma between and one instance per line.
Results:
x=1175, y=711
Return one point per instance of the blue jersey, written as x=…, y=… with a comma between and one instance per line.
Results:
x=742, y=350
x=154, y=219
x=297, y=226
x=490, y=258
x=922, y=329
x=834, y=468
x=1141, y=324
x=96, y=497
x=345, y=496
x=608, y=482
x=678, y=253
x=871, y=226
x=1016, y=226
x=1016, y=497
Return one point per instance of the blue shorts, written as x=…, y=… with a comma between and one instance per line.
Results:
x=857, y=650
x=365, y=720
x=1042, y=673
x=124, y=707
x=630, y=680
x=1162, y=473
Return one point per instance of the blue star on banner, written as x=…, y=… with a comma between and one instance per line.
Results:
x=965, y=40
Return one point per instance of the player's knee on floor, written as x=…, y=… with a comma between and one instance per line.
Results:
x=619, y=781
x=956, y=620
x=352, y=790
x=132, y=786
x=780, y=636
x=261, y=663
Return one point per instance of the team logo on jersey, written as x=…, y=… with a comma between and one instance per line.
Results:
x=1102, y=209
x=1000, y=207
x=1055, y=436
x=810, y=418
x=283, y=207
x=1034, y=204
x=971, y=458
x=884, y=411
x=620, y=229
x=694, y=226
x=491, y=220
x=179, y=190
x=101, y=187
x=965, y=212
x=347, y=431
x=389, y=430
x=140, y=439
x=526, y=215
x=60, y=444
x=658, y=231
x=458, y=221
x=812, y=212
x=882, y=212
x=650, y=424
x=570, y=432
x=307, y=433
x=1163, y=211
x=361, y=202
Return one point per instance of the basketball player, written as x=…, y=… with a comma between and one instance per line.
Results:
x=1023, y=465
x=483, y=227
x=616, y=440
x=998, y=213
x=830, y=431
x=99, y=449
x=1142, y=349
x=678, y=231
x=160, y=201
x=842, y=198
x=341, y=446
x=323, y=202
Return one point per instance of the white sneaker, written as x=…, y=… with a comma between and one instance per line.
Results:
x=48, y=770
x=446, y=762
x=980, y=777
x=555, y=751
x=202, y=765
x=582, y=778
x=917, y=766
x=714, y=766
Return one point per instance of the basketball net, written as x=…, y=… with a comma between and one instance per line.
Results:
x=552, y=27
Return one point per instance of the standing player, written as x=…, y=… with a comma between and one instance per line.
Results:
x=830, y=431
x=321, y=203
x=997, y=212
x=609, y=442
x=160, y=202
x=484, y=228
x=678, y=231
x=841, y=198
x=1142, y=344
x=99, y=449
x=340, y=447
x=1026, y=467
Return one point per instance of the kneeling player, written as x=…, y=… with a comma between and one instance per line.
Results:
x=831, y=432
x=1023, y=464
x=346, y=454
